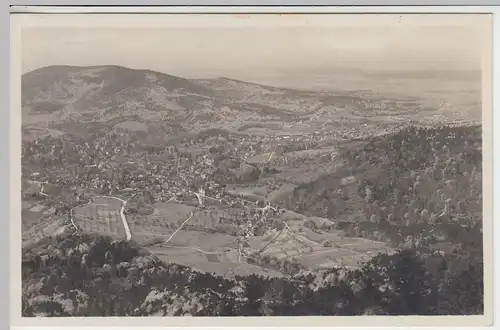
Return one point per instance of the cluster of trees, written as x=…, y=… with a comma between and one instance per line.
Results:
x=434, y=174
x=433, y=187
x=289, y=266
x=418, y=182
x=86, y=275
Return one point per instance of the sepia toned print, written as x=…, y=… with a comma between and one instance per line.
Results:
x=241, y=169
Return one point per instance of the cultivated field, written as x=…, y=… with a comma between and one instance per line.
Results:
x=203, y=243
x=213, y=253
x=38, y=221
x=101, y=216
x=48, y=227
x=310, y=251
x=221, y=263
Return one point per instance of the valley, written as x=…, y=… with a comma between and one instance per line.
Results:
x=237, y=178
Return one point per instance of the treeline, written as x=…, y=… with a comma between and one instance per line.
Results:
x=86, y=275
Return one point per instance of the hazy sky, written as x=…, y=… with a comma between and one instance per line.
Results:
x=239, y=48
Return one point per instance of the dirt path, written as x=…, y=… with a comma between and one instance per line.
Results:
x=180, y=227
x=190, y=248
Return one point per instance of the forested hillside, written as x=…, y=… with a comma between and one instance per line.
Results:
x=416, y=188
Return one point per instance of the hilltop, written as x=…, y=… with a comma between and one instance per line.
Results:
x=55, y=95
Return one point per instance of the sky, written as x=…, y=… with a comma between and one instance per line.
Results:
x=201, y=47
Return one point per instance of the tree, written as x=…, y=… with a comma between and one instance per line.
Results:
x=265, y=260
x=254, y=291
x=399, y=284
x=411, y=285
x=463, y=294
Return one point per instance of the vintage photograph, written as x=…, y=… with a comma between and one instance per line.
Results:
x=253, y=165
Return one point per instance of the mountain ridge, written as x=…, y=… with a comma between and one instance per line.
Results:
x=53, y=94
x=63, y=95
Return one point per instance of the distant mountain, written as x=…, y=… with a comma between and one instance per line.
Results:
x=90, y=88
x=56, y=94
x=66, y=99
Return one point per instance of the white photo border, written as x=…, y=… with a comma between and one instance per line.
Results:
x=13, y=192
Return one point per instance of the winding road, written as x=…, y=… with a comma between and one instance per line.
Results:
x=122, y=216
